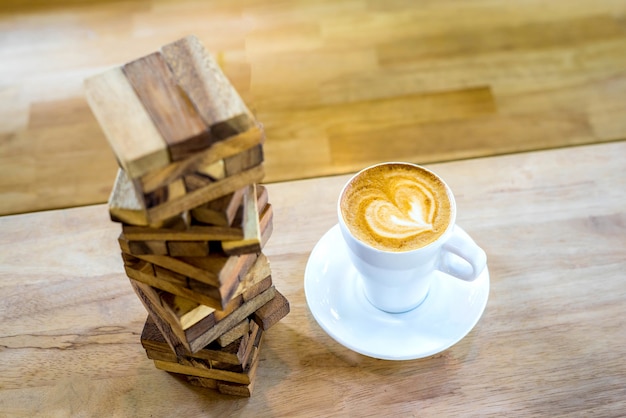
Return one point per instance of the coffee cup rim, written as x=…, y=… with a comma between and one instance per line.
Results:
x=434, y=243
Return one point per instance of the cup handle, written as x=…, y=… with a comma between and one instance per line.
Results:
x=463, y=246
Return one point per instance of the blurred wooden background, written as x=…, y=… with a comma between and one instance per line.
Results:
x=338, y=84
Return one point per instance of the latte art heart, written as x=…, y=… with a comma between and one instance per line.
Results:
x=407, y=209
x=396, y=207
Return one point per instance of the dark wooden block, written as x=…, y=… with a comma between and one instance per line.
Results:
x=168, y=105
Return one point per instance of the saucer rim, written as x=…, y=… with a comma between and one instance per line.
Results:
x=483, y=279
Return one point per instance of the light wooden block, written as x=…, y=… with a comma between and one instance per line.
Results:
x=125, y=204
x=234, y=333
x=214, y=170
x=129, y=129
x=168, y=105
x=199, y=74
x=250, y=225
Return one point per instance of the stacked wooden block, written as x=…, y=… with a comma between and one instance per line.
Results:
x=194, y=218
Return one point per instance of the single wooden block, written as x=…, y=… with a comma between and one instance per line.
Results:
x=133, y=136
x=189, y=233
x=205, y=372
x=188, y=248
x=142, y=247
x=267, y=224
x=148, y=247
x=199, y=74
x=221, y=211
x=244, y=160
x=234, y=333
x=272, y=312
x=125, y=204
x=124, y=244
x=168, y=105
x=233, y=126
x=262, y=196
x=196, y=181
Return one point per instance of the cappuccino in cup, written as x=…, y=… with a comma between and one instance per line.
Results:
x=396, y=207
x=398, y=223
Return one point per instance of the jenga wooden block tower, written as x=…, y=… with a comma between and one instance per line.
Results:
x=194, y=218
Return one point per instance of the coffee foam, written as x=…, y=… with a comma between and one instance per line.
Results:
x=396, y=207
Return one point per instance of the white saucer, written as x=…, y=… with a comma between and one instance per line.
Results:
x=336, y=299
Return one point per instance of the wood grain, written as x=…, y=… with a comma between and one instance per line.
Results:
x=220, y=211
x=197, y=71
x=183, y=322
x=551, y=342
x=133, y=136
x=201, y=161
x=337, y=84
x=169, y=106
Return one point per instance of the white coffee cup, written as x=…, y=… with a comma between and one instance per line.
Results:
x=398, y=281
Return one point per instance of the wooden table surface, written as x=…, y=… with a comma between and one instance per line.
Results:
x=339, y=84
x=552, y=340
